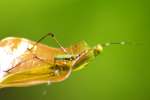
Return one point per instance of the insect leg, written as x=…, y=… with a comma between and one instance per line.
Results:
x=42, y=38
x=34, y=57
x=53, y=37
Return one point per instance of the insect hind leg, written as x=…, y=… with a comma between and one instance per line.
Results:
x=53, y=37
x=18, y=64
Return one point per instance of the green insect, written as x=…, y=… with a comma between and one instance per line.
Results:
x=25, y=63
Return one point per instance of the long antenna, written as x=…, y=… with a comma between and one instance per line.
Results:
x=115, y=43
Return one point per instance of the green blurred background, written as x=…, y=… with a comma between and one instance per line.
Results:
x=119, y=73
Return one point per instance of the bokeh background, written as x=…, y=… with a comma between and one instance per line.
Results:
x=119, y=73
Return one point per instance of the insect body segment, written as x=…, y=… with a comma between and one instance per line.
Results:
x=29, y=63
x=65, y=57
